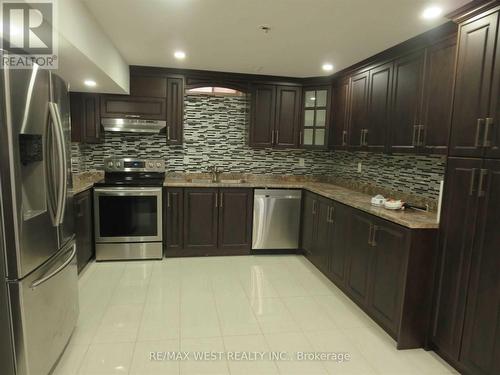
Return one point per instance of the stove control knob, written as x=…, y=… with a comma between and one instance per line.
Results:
x=110, y=164
x=151, y=164
x=118, y=164
x=158, y=165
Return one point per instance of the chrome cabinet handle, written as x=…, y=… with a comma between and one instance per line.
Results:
x=332, y=211
x=365, y=141
x=314, y=208
x=344, y=138
x=277, y=137
x=487, y=127
x=222, y=199
x=421, y=135
x=374, y=235
x=480, y=192
x=414, y=140
x=479, y=123
x=370, y=235
x=168, y=199
x=216, y=200
x=272, y=137
x=472, y=181
x=133, y=116
x=300, y=138
x=361, y=139
x=168, y=133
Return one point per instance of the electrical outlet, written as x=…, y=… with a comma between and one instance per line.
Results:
x=186, y=159
x=302, y=162
x=360, y=167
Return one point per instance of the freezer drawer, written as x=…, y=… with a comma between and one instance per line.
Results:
x=276, y=219
x=44, y=313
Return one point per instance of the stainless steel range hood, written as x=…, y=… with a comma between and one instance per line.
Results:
x=127, y=125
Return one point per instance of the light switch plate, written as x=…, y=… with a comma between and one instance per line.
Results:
x=360, y=167
x=302, y=162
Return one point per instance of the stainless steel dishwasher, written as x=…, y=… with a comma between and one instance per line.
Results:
x=276, y=219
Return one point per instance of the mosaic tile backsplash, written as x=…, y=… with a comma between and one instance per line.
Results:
x=216, y=132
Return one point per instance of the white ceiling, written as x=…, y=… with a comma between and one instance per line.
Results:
x=223, y=35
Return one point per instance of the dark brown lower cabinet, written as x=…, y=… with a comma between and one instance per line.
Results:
x=466, y=329
x=235, y=220
x=84, y=224
x=208, y=221
x=173, y=223
x=385, y=268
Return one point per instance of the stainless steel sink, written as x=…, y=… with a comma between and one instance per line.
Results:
x=201, y=180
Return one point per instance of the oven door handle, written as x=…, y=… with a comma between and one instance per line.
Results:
x=128, y=192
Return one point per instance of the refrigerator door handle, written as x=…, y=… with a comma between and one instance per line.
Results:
x=59, y=141
x=64, y=159
x=56, y=271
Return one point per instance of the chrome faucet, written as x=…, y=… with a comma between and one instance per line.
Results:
x=215, y=171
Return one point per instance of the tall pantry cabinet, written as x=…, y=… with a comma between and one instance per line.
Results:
x=466, y=328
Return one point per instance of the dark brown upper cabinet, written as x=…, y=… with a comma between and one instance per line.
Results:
x=475, y=130
x=358, y=114
x=275, y=116
x=288, y=99
x=148, y=86
x=133, y=107
x=379, y=102
x=434, y=130
x=85, y=118
x=407, y=98
x=316, y=117
x=263, y=116
x=339, y=134
x=175, y=110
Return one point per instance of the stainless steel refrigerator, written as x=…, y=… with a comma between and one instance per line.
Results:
x=39, y=285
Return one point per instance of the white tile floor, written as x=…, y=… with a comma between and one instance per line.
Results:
x=226, y=304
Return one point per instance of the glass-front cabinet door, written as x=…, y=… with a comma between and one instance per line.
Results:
x=316, y=116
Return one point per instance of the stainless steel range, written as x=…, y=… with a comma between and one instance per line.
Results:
x=128, y=210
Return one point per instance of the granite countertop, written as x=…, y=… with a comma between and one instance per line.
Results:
x=409, y=218
x=85, y=180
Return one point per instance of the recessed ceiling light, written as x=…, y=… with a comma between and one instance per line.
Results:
x=90, y=83
x=327, y=67
x=432, y=12
x=180, y=55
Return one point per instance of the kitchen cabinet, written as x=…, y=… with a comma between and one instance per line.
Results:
x=275, y=116
x=475, y=110
x=380, y=81
x=466, y=326
x=338, y=237
x=84, y=228
x=173, y=220
x=339, y=134
x=200, y=220
x=175, y=111
x=235, y=220
x=85, y=118
x=407, y=102
x=133, y=107
x=434, y=127
x=288, y=99
x=360, y=257
x=358, y=114
x=480, y=351
x=383, y=267
x=263, y=112
x=208, y=221
x=387, y=272
x=148, y=86
x=316, y=117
